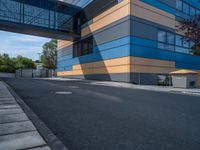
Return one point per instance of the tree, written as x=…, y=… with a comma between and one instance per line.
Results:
x=191, y=28
x=6, y=64
x=23, y=62
x=49, y=54
x=9, y=65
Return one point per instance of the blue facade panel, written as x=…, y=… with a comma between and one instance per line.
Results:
x=148, y=49
x=114, y=49
x=116, y=52
x=160, y=5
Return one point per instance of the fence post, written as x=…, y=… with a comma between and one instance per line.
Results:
x=139, y=77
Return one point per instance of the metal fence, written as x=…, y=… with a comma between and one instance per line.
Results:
x=33, y=73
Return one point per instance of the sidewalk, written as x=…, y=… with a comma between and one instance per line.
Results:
x=16, y=130
x=193, y=92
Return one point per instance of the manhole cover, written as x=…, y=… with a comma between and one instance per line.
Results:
x=63, y=93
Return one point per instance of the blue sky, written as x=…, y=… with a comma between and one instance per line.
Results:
x=19, y=44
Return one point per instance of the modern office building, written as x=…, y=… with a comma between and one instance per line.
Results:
x=128, y=40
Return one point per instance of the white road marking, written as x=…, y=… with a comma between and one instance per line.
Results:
x=63, y=93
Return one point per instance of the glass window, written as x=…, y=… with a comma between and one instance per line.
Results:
x=186, y=43
x=192, y=44
x=83, y=47
x=77, y=49
x=179, y=40
x=198, y=12
x=170, y=38
x=186, y=8
x=173, y=42
x=192, y=11
x=182, y=50
x=192, y=47
x=179, y=4
x=162, y=36
x=169, y=47
x=161, y=45
x=166, y=46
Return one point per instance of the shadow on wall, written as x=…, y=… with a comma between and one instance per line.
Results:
x=98, y=70
x=198, y=81
x=92, y=65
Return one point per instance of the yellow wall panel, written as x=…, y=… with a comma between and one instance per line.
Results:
x=62, y=43
x=151, y=69
x=103, y=70
x=147, y=12
x=107, y=63
x=151, y=62
x=64, y=73
x=123, y=65
x=111, y=10
x=113, y=69
x=152, y=8
x=106, y=20
x=145, y=65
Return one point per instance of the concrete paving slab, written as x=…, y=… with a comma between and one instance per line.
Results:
x=21, y=141
x=5, y=95
x=7, y=106
x=13, y=118
x=16, y=127
x=10, y=111
x=40, y=148
x=7, y=102
x=7, y=99
x=16, y=130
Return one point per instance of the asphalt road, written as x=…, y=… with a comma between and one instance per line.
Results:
x=108, y=118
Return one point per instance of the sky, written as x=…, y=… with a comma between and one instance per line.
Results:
x=16, y=44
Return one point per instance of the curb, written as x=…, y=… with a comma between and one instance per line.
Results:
x=52, y=141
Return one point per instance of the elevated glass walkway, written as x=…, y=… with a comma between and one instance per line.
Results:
x=47, y=18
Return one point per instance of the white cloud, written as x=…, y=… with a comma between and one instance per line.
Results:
x=20, y=44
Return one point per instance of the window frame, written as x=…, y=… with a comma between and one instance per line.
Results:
x=182, y=10
x=165, y=45
x=175, y=47
x=80, y=48
x=181, y=5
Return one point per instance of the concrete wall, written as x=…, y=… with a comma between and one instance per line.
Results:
x=179, y=81
x=7, y=75
x=33, y=73
x=184, y=81
x=198, y=81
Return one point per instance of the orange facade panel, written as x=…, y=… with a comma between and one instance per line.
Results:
x=115, y=13
x=147, y=12
x=63, y=43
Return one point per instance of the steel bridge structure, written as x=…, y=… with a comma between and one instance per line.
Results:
x=46, y=18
